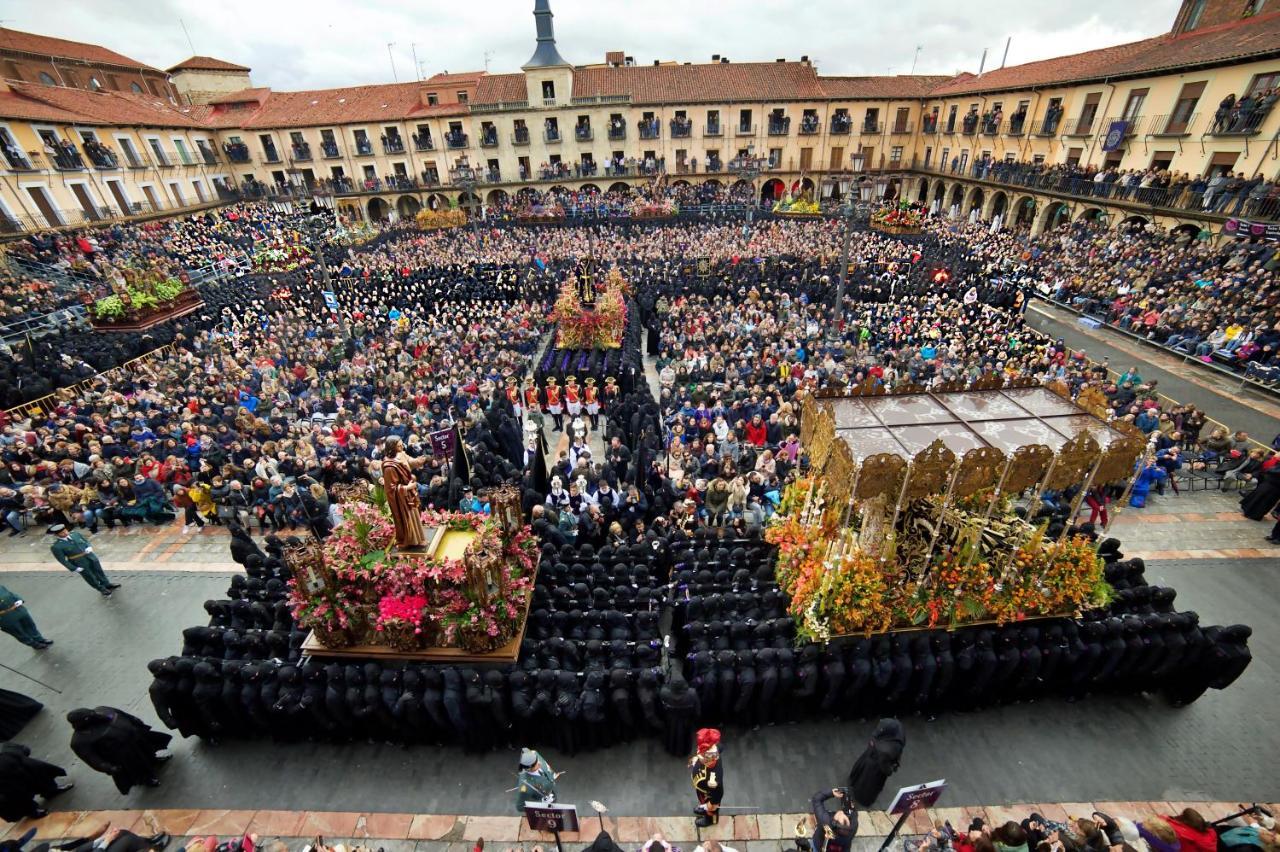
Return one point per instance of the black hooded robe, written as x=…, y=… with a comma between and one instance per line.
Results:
x=877, y=762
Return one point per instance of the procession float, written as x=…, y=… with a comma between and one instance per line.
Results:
x=911, y=518
x=461, y=595
x=142, y=298
x=901, y=218
x=434, y=220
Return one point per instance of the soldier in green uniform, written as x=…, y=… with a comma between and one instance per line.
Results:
x=77, y=556
x=17, y=622
x=535, y=782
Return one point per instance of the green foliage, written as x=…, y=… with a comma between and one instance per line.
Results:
x=380, y=497
x=169, y=289
x=111, y=307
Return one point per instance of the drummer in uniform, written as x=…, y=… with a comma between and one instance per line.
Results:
x=591, y=398
x=513, y=396
x=706, y=774
x=572, y=397
x=611, y=393
x=554, y=408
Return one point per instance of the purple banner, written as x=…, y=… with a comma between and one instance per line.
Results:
x=1244, y=229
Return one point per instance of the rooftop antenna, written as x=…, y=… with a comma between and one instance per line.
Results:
x=184, y=32
x=919, y=47
x=488, y=54
x=392, y=57
x=417, y=66
x=983, y=63
x=1005, y=58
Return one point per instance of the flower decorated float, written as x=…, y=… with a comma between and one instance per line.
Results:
x=899, y=219
x=143, y=297
x=908, y=517
x=588, y=316
x=647, y=208
x=434, y=220
x=800, y=205
x=463, y=596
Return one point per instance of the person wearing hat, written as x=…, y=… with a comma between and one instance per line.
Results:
x=706, y=773
x=75, y=554
x=554, y=408
x=572, y=396
x=17, y=622
x=591, y=398
x=532, y=400
x=513, y=396
x=611, y=392
x=536, y=781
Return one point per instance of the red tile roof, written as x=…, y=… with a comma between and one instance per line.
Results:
x=500, y=88
x=461, y=78
x=17, y=40
x=123, y=109
x=206, y=63
x=386, y=102
x=258, y=94
x=898, y=86
x=705, y=83
x=1232, y=42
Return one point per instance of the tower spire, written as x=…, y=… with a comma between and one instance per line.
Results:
x=545, y=55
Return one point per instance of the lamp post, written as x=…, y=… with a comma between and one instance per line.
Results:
x=464, y=177
x=748, y=167
x=841, y=183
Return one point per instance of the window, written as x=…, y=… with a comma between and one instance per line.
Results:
x=11, y=70
x=744, y=121
x=942, y=160
x=1193, y=17
x=47, y=79
x=95, y=84
x=713, y=121
x=113, y=82
x=462, y=97
x=1184, y=108
x=928, y=156
x=900, y=119
x=137, y=90
x=181, y=148
x=1222, y=163
x=1263, y=82
x=951, y=119
x=433, y=99
x=895, y=154
x=1161, y=159
x=548, y=90
x=837, y=157
x=1088, y=112
x=1133, y=104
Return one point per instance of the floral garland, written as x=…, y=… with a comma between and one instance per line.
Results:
x=600, y=328
x=902, y=217
x=799, y=206
x=643, y=208
x=836, y=588
x=410, y=600
x=432, y=220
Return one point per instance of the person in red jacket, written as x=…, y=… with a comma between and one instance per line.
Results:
x=757, y=431
x=1194, y=832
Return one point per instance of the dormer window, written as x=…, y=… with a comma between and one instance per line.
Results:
x=432, y=99
x=548, y=90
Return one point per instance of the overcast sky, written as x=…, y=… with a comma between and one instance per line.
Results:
x=291, y=44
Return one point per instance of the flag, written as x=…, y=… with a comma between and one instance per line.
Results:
x=461, y=464
x=541, y=478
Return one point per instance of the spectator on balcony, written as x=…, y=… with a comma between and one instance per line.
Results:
x=970, y=121
x=1222, y=115
x=1265, y=102
x=1231, y=189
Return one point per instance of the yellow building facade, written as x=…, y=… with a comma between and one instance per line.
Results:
x=384, y=151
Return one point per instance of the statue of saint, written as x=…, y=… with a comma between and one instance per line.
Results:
x=401, y=487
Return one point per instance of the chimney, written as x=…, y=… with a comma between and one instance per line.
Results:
x=805, y=59
x=715, y=57
x=545, y=55
x=783, y=59
x=655, y=62
x=724, y=60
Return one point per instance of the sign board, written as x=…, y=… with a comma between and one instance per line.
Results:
x=551, y=818
x=442, y=442
x=1247, y=229
x=704, y=267
x=330, y=300
x=914, y=798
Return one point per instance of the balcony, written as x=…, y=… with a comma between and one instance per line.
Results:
x=712, y=130
x=617, y=131
x=102, y=157
x=1173, y=125
x=392, y=145
x=1078, y=127
x=551, y=136
x=1239, y=122
x=779, y=126
x=363, y=147
x=64, y=157
x=165, y=160
x=489, y=138
x=330, y=150
x=681, y=129
x=302, y=153
x=269, y=155
x=583, y=133
x=237, y=152
x=841, y=125
x=746, y=130
x=1047, y=126
x=929, y=125
x=902, y=128
x=521, y=136
x=16, y=160
x=715, y=165
x=208, y=156
x=1017, y=125
x=455, y=139
x=491, y=176
x=650, y=129
x=991, y=126
x=423, y=143
x=872, y=128
x=810, y=126
x=1134, y=125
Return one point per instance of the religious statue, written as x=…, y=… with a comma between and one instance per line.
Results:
x=587, y=283
x=401, y=487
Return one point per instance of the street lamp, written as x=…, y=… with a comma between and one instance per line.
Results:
x=748, y=166
x=464, y=177
x=841, y=183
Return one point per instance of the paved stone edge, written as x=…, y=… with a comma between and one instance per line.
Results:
x=441, y=830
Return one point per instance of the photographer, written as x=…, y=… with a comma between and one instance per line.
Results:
x=835, y=829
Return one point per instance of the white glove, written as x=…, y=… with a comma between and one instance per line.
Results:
x=88, y=550
x=79, y=570
x=711, y=782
